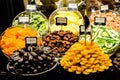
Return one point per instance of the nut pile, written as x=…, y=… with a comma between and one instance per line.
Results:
x=59, y=41
x=87, y=59
x=31, y=60
x=116, y=61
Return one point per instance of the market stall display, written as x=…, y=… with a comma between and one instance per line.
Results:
x=74, y=20
x=37, y=21
x=85, y=59
x=113, y=21
x=13, y=38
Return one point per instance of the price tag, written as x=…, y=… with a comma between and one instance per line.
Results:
x=31, y=7
x=31, y=41
x=117, y=1
x=72, y=6
x=24, y=20
x=89, y=30
x=104, y=8
x=100, y=21
x=61, y=21
x=82, y=29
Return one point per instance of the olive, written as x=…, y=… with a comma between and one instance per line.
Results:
x=40, y=58
x=43, y=56
x=35, y=70
x=33, y=54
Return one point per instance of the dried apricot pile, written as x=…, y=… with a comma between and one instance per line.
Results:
x=14, y=38
x=87, y=59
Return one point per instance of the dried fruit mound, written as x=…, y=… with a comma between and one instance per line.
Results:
x=87, y=59
x=14, y=38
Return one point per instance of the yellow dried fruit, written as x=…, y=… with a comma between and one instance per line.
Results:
x=82, y=59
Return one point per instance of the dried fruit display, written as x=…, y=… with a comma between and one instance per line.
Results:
x=74, y=20
x=31, y=60
x=113, y=21
x=13, y=38
x=87, y=59
x=60, y=41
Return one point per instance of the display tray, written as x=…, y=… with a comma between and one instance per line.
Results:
x=59, y=74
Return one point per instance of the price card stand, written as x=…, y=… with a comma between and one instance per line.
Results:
x=100, y=20
x=23, y=20
x=61, y=21
x=104, y=8
x=31, y=41
x=31, y=8
x=73, y=6
x=85, y=31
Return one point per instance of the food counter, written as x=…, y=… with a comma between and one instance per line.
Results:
x=57, y=50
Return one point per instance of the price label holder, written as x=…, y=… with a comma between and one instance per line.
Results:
x=31, y=7
x=72, y=6
x=99, y=20
x=31, y=41
x=117, y=1
x=104, y=8
x=61, y=21
x=82, y=29
x=23, y=20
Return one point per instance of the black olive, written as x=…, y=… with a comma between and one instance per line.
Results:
x=28, y=65
x=33, y=54
x=26, y=62
x=25, y=54
x=35, y=70
x=20, y=60
x=16, y=64
x=43, y=56
x=44, y=65
x=28, y=72
x=32, y=68
x=40, y=58
x=38, y=67
x=30, y=57
x=49, y=58
x=22, y=66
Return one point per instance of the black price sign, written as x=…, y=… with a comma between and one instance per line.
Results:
x=104, y=8
x=31, y=41
x=61, y=21
x=100, y=21
x=24, y=20
x=31, y=7
x=82, y=29
x=88, y=30
x=72, y=6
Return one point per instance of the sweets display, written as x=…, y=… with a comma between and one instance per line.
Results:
x=13, y=38
x=37, y=21
x=113, y=21
x=82, y=59
x=74, y=20
x=60, y=41
x=31, y=60
x=107, y=39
